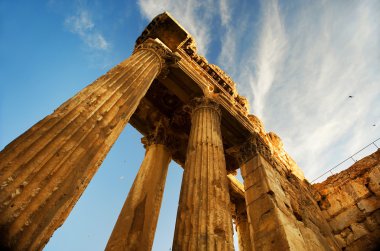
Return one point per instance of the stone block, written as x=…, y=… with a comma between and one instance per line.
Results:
x=345, y=233
x=326, y=215
x=369, y=205
x=266, y=223
x=376, y=215
x=374, y=181
x=274, y=240
x=371, y=223
x=255, y=177
x=293, y=234
x=346, y=218
x=358, y=230
x=341, y=241
x=251, y=165
x=259, y=183
x=277, y=231
x=339, y=200
x=356, y=190
x=261, y=207
x=311, y=238
x=367, y=242
x=350, y=238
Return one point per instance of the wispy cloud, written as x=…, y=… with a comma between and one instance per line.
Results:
x=269, y=55
x=225, y=13
x=82, y=25
x=299, y=69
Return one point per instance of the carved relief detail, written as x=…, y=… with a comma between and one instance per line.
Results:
x=162, y=135
x=249, y=149
x=224, y=81
x=213, y=71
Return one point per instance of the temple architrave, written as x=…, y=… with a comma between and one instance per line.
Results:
x=189, y=111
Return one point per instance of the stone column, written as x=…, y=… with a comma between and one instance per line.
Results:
x=242, y=228
x=272, y=226
x=136, y=225
x=45, y=170
x=204, y=219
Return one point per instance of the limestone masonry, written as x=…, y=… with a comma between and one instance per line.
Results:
x=189, y=111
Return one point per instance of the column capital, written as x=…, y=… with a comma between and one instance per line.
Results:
x=166, y=56
x=160, y=135
x=239, y=211
x=204, y=102
x=249, y=149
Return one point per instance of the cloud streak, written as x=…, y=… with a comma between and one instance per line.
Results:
x=302, y=67
x=269, y=55
x=82, y=25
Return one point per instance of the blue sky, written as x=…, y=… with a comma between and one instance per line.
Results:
x=297, y=61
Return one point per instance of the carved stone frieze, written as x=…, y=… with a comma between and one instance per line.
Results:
x=249, y=149
x=213, y=71
x=162, y=134
x=159, y=135
x=223, y=80
x=181, y=119
x=243, y=103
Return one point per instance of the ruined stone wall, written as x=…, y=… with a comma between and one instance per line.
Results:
x=302, y=218
x=281, y=205
x=350, y=201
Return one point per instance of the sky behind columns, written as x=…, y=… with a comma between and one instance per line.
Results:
x=297, y=61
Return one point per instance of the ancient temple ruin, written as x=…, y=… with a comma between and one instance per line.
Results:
x=189, y=111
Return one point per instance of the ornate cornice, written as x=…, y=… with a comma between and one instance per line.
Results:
x=222, y=79
x=166, y=57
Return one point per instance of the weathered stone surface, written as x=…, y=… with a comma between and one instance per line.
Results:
x=204, y=219
x=369, y=205
x=339, y=201
x=282, y=212
x=345, y=218
x=374, y=181
x=242, y=229
x=371, y=223
x=358, y=231
x=45, y=170
x=352, y=204
x=341, y=241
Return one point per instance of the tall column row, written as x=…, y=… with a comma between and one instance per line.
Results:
x=45, y=170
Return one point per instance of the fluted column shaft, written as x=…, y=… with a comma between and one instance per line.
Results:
x=242, y=229
x=204, y=219
x=45, y=170
x=136, y=225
